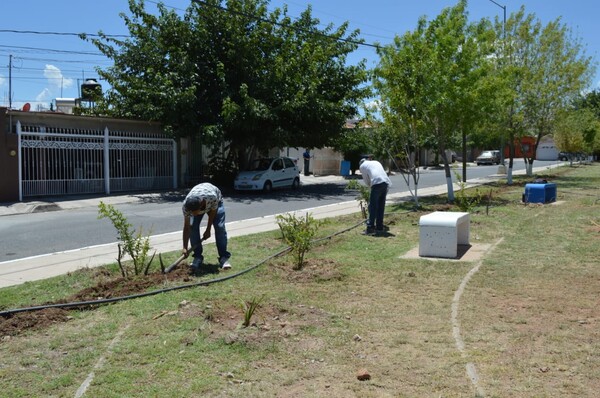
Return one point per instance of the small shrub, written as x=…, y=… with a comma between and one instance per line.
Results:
x=364, y=193
x=132, y=243
x=249, y=307
x=462, y=200
x=298, y=233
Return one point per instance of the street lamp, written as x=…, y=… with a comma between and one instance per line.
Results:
x=504, y=54
x=504, y=21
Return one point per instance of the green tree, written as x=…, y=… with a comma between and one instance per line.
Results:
x=232, y=72
x=576, y=131
x=429, y=81
x=543, y=69
x=354, y=142
x=559, y=71
x=591, y=101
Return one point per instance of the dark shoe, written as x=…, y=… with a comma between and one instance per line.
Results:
x=196, y=264
x=369, y=232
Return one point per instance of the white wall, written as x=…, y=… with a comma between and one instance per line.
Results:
x=546, y=149
x=324, y=161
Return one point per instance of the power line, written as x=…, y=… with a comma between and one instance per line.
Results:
x=35, y=32
x=257, y=18
x=345, y=19
x=50, y=50
x=22, y=69
x=357, y=42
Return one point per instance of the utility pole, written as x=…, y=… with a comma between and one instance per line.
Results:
x=10, y=81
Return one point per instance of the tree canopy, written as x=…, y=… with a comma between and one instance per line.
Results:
x=429, y=81
x=231, y=71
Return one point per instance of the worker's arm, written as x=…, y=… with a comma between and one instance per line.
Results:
x=186, y=235
x=211, y=218
x=365, y=176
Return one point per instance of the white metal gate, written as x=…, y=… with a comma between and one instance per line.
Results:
x=67, y=161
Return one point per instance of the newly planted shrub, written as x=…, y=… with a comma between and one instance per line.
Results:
x=133, y=243
x=363, y=196
x=249, y=307
x=462, y=200
x=298, y=233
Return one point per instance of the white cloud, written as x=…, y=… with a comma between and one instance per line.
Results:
x=2, y=80
x=56, y=80
x=44, y=96
x=374, y=105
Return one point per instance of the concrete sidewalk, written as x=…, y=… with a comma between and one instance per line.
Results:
x=34, y=268
x=19, y=271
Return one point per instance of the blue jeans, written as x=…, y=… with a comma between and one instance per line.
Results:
x=220, y=235
x=377, y=206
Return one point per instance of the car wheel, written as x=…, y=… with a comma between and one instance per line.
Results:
x=296, y=183
x=268, y=186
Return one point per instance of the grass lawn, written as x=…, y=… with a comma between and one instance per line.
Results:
x=525, y=324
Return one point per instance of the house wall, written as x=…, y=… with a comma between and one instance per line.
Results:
x=527, y=142
x=9, y=175
x=9, y=166
x=324, y=161
x=546, y=149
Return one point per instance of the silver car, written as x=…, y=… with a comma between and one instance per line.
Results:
x=268, y=173
x=488, y=157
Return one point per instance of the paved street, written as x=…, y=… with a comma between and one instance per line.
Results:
x=42, y=266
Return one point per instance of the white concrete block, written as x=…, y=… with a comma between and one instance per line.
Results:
x=441, y=232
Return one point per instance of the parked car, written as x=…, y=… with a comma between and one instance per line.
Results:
x=563, y=156
x=488, y=157
x=268, y=173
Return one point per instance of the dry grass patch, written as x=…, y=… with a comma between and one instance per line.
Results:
x=529, y=317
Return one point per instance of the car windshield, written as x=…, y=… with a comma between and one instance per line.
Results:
x=261, y=164
x=487, y=153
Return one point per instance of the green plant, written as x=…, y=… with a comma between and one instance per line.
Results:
x=298, y=233
x=249, y=307
x=462, y=200
x=133, y=243
x=364, y=193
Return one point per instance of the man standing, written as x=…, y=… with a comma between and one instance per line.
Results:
x=306, y=156
x=203, y=199
x=377, y=179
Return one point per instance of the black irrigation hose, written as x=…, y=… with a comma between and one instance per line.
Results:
x=152, y=293
x=8, y=313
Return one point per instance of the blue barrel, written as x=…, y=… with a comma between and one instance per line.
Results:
x=540, y=193
x=345, y=168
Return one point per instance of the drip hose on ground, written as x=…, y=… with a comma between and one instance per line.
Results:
x=8, y=313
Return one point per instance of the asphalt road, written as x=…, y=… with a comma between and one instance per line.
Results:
x=32, y=234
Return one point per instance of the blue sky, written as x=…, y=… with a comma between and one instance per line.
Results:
x=49, y=66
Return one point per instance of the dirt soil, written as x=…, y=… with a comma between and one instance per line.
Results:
x=109, y=286
x=106, y=288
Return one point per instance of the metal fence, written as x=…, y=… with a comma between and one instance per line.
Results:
x=68, y=161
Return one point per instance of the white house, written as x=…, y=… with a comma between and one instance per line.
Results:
x=546, y=149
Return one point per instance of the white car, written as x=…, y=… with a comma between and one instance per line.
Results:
x=268, y=173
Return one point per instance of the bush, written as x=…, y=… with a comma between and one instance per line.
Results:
x=298, y=233
x=132, y=243
x=364, y=193
x=463, y=201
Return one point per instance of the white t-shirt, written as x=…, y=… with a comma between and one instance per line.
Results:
x=373, y=173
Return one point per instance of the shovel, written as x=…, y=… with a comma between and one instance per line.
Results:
x=180, y=259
